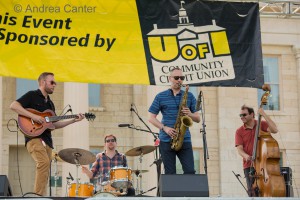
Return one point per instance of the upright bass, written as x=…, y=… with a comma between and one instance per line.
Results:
x=266, y=178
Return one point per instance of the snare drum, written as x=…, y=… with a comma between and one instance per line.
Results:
x=120, y=177
x=84, y=190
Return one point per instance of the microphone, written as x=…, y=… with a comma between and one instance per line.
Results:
x=70, y=109
x=124, y=125
x=199, y=101
x=71, y=177
x=131, y=108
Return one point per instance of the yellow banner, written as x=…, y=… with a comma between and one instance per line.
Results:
x=79, y=41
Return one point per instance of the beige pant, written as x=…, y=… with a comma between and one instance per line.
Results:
x=42, y=156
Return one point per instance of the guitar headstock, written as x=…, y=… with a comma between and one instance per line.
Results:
x=89, y=116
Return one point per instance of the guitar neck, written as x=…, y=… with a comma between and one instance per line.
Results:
x=57, y=118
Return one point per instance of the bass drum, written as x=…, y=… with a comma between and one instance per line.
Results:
x=106, y=187
x=104, y=194
x=84, y=190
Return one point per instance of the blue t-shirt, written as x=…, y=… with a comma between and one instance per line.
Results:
x=168, y=104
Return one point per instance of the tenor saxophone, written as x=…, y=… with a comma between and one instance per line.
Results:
x=182, y=123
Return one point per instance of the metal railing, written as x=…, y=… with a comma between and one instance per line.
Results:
x=280, y=8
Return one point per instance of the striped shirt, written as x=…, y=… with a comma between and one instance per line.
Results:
x=168, y=104
x=103, y=164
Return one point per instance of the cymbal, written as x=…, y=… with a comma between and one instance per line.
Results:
x=77, y=156
x=140, y=150
x=55, y=157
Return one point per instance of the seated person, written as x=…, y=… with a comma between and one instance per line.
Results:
x=106, y=160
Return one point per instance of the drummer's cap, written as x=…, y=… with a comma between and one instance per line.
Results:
x=110, y=135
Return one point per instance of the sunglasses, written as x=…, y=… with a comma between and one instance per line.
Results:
x=110, y=140
x=178, y=77
x=243, y=115
x=52, y=82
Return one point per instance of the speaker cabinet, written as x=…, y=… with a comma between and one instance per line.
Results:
x=286, y=172
x=183, y=185
x=4, y=186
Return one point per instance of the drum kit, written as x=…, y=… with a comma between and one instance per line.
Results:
x=119, y=178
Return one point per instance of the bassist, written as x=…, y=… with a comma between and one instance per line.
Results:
x=245, y=135
x=40, y=148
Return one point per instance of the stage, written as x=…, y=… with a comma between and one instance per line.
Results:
x=153, y=198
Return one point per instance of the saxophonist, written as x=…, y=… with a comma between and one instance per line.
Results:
x=170, y=104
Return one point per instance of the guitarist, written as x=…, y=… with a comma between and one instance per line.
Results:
x=40, y=147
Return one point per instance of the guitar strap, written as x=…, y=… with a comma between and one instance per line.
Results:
x=51, y=104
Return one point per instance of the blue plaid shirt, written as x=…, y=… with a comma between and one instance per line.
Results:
x=168, y=104
x=103, y=164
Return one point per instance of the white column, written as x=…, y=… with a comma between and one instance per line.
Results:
x=75, y=135
x=297, y=55
x=151, y=176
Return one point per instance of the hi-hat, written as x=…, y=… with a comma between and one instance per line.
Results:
x=77, y=156
x=55, y=157
x=140, y=150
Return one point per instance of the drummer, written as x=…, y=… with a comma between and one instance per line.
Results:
x=106, y=160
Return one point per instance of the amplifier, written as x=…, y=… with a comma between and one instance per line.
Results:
x=288, y=176
x=183, y=185
x=5, y=189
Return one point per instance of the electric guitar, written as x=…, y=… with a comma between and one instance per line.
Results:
x=32, y=129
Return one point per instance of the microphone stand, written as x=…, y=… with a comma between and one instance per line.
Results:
x=155, y=137
x=139, y=129
x=157, y=160
x=203, y=131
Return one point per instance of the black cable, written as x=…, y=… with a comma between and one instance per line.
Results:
x=16, y=131
x=63, y=110
x=31, y=193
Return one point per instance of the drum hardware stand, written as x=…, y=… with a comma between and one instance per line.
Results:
x=77, y=179
x=139, y=189
x=55, y=175
x=98, y=184
x=157, y=162
x=146, y=191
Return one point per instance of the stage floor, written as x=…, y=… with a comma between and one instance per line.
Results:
x=150, y=197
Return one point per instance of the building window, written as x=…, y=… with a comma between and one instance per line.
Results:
x=95, y=151
x=94, y=95
x=25, y=85
x=194, y=91
x=271, y=76
x=196, y=163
